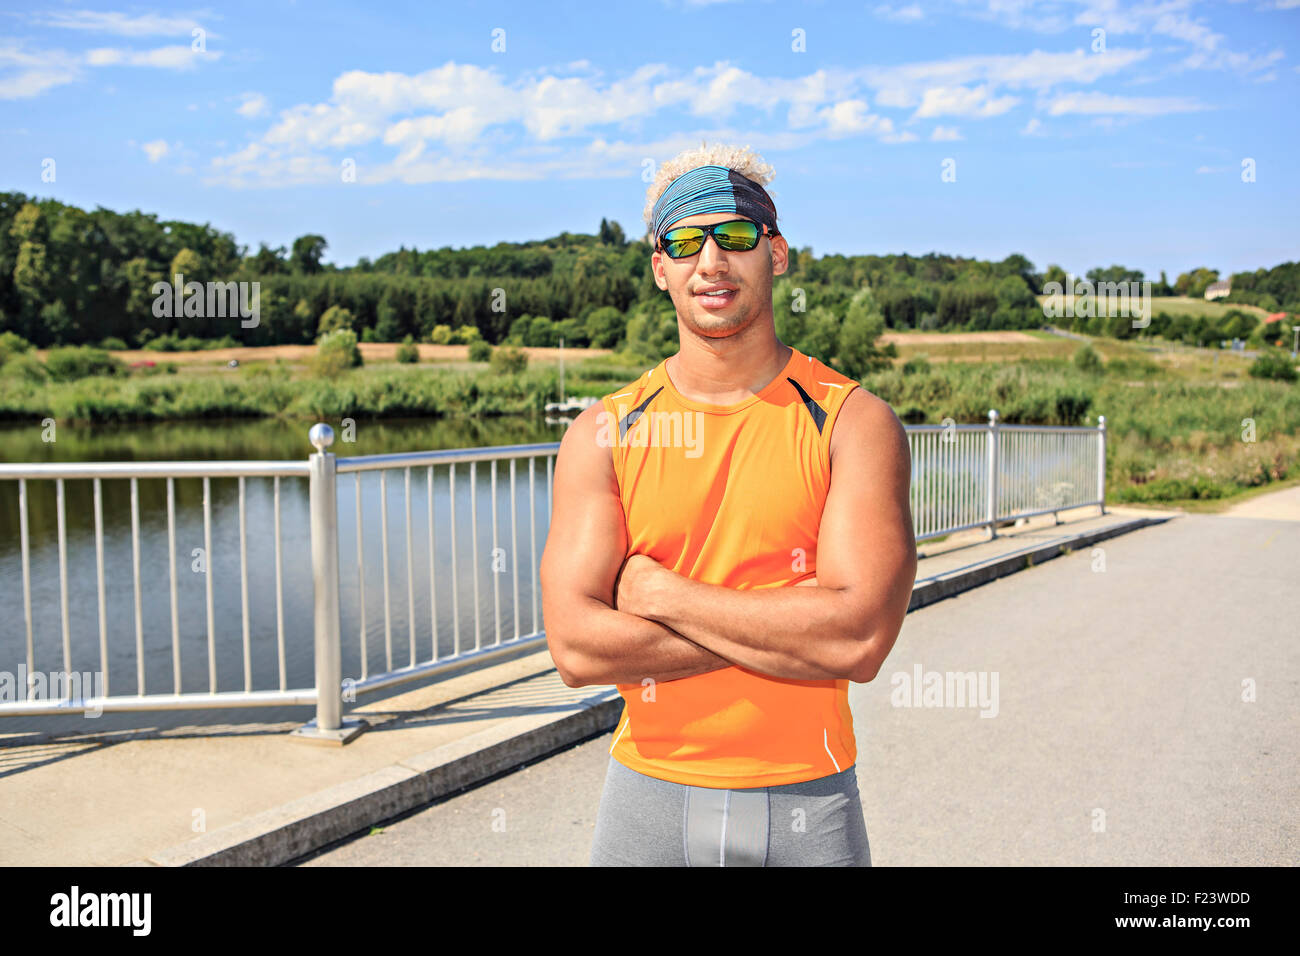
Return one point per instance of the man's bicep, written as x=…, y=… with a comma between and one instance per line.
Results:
x=866, y=542
x=587, y=541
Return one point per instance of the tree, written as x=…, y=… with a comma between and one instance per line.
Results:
x=307, y=253
x=336, y=318
x=604, y=326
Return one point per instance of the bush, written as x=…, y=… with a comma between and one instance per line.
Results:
x=12, y=344
x=1274, y=364
x=441, y=335
x=25, y=368
x=466, y=334
x=336, y=352
x=916, y=365
x=74, y=362
x=509, y=360
x=479, y=351
x=334, y=318
x=114, y=343
x=1087, y=360
x=407, y=351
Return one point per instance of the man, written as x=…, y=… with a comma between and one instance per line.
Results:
x=701, y=557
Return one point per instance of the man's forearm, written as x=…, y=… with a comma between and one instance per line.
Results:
x=613, y=647
x=799, y=633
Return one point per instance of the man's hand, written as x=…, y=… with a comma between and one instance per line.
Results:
x=635, y=581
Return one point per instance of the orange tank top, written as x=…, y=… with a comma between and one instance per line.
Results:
x=730, y=495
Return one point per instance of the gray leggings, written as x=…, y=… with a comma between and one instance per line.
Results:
x=645, y=821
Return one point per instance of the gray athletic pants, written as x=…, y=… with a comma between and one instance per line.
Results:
x=645, y=821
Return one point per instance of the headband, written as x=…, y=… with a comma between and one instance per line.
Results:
x=711, y=189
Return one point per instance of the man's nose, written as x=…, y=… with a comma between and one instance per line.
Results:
x=712, y=255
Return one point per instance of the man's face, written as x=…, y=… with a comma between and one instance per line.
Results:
x=749, y=274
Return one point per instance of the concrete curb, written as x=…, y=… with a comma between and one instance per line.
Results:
x=294, y=829
x=940, y=586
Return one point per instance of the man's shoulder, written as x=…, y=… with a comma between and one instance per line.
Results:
x=866, y=420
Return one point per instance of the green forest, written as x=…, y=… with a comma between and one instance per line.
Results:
x=73, y=277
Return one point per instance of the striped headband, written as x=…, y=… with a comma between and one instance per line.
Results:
x=711, y=189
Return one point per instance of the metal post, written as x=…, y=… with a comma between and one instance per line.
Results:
x=329, y=726
x=993, y=474
x=1101, y=462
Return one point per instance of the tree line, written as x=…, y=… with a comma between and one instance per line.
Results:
x=70, y=276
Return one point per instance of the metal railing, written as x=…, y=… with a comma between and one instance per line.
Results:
x=963, y=477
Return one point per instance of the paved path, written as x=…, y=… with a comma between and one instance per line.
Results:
x=1281, y=505
x=1120, y=684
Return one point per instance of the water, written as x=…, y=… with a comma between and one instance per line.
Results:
x=388, y=636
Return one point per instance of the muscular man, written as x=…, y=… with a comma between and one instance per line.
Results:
x=702, y=557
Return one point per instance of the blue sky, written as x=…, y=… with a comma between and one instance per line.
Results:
x=481, y=122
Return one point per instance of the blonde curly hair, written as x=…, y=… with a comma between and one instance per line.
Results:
x=740, y=158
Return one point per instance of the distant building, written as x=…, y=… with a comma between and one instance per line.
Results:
x=1217, y=290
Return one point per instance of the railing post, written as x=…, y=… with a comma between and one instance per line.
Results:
x=993, y=474
x=329, y=725
x=1101, y=462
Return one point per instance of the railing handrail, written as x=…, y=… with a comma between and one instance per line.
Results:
x=960, y=502
x=447, y=456
x=156, y=469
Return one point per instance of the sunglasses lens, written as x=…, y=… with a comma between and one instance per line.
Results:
x=683, y=242
x=737, y=236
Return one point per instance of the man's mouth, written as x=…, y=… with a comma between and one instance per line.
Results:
x=716, y=298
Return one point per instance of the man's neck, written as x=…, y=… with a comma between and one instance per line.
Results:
x=725, y=371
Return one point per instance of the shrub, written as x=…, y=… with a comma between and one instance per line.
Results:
x=25, y=368
x=1274, y=364
x=466, y=334
x=509, y=360
x=479, y=351
x=441, y=335
x=336, y=352
x=74, y=362
x=12, y=344
x=407, y=351
x=1087, y=360
x=916, y=365
x=114, y=343
x=334, y=318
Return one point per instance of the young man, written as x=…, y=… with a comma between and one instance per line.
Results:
x=702, y=557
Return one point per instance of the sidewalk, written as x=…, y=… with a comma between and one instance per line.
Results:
x=256, y=796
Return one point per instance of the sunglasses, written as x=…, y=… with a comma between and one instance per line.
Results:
x=735, y=235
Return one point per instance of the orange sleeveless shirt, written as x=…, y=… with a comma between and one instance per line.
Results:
x=730, y=495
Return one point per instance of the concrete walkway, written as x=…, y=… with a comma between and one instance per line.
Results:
x=248, y=794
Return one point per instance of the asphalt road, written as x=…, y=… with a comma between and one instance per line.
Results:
x=1122, y=733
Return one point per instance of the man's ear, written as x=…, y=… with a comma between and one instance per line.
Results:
x=655, y=267
x=780, y=255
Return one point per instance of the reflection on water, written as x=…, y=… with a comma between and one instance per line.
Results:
x=417, y=591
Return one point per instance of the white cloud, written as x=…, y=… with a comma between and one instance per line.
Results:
x=1033, y=128
x=34, y=73
x=944, y=134
x=255, y=104
x=963, y=101
x=164, y=57
x=1103, y=103
x=155, y=150
x=905, y=85
x=120, y=24
x=908, y=14
x=1212, y=169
